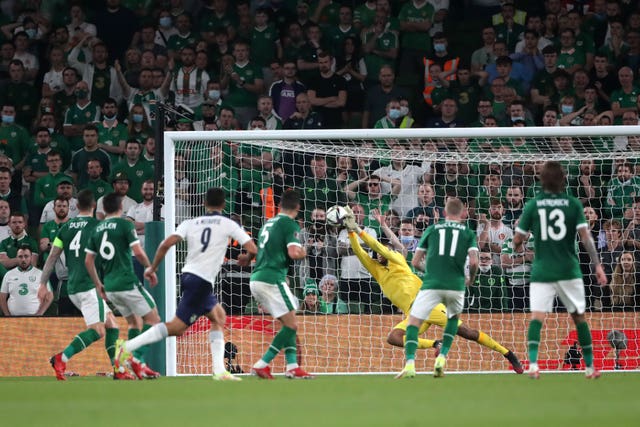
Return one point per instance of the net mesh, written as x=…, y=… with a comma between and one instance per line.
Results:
x=347, y=331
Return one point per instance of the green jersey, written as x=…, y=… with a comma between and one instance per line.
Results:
x=111, y=242
x=238, y=95
x=272, y=262
x=72, y=238
x=409, y=13
x=553, y=220
x=263, y=45
x=77, y=115
x=137, y=173
x=447, y=245
x=112, y=136
x=10, y=245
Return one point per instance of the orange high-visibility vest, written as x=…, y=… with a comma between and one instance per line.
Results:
x=269, y=208
x=429, y=84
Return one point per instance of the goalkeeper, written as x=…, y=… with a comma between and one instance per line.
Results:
x=401, y=285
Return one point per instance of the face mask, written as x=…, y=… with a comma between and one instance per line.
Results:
x=137, y=118
x=484, y=268
x=439, y=47
x=51, y=130
x=80, y=94
x=31, y=32
x=46, y=110
x=567, y=109
x=394, y=114
x=421, y=225
x=165, y=21
x=601, y=16
x=110, y=118
x=406, y=240
x=404, y=111
x=214, y=94
x=8, y=119
x=516, y=118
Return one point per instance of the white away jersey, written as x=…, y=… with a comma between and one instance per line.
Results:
x=22, y=287
x=207, y=241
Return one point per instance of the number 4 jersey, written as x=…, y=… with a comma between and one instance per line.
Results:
x=111, y=242
x=207, y=239
x=72, y=238
x=553, y=219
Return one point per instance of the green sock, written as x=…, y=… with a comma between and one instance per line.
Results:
x=533, y=339
x=450, y=331
x=131, y=334
x=139, y=353
x=110, y=342
x=584, y=338
x=81, y=341
x=291, y=350
x=282, y=338
x=410, y=342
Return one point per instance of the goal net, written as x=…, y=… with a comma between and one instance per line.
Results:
x=406, y=176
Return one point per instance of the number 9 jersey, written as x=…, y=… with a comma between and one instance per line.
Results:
x=207, y=239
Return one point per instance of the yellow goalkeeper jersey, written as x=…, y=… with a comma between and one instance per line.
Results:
x=396, y=279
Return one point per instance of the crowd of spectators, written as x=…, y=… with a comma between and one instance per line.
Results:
x=81, y=82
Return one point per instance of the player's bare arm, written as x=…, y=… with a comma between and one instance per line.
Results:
x=89, y=263
x=474, y=264
x=164, y=247
x=418, y=259
x=296, y=252
x=590, y=246
x=47, y=269
x=251, y=250
x=141, y=255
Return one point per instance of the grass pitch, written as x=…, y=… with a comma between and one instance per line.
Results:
x=331, y=401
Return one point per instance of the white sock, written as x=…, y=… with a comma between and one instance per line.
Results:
x=154, y=334
x=217, y=351
x=533, y=366
x=64, y=358
x=291, y=366
x=260, y=364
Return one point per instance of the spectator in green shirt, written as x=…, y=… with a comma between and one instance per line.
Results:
x=17, y=238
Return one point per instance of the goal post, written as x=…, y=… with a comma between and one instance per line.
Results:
x=250, y=165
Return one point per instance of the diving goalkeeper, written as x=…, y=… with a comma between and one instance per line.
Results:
x=401, y=285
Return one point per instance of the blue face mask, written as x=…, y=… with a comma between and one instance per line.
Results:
x=406, y=240
x=394, y=114
x=439, y=47
x=31, y=32
x=214, y=94
x=137, y=118
x=8, y=119
x=165, y=21
x=567, y=109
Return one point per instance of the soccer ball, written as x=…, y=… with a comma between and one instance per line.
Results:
x=336, y=215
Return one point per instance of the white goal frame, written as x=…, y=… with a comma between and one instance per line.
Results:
x=280, y=139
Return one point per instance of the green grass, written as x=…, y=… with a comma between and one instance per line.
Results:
x=331, y=401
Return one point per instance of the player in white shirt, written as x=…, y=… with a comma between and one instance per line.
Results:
x=20, y=286
x=207, y=239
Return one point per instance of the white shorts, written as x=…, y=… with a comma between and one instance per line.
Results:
x=570, y=292
x=427, y=299
x=277, y=299
x=94, y=309
x=136, y=301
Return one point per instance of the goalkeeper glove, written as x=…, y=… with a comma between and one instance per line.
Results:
x=350, y=220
